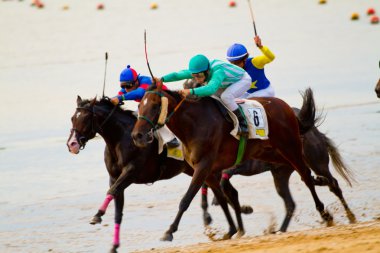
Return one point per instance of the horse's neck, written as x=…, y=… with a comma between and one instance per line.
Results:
x=197, y=117
x=114, y=128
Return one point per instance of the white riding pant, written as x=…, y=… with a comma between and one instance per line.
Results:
x=267, y=92
x=235, y=90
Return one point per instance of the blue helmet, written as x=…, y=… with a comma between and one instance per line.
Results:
x=236, y=52
x=128, y=75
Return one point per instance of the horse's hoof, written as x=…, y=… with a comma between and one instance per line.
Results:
x=246, y=209
x=114, y=249
x=351, y=218
x=227, y=236
x=328, y=218
x=167, y=237
x=95, y=220
x=207, y=220
x=240, y=233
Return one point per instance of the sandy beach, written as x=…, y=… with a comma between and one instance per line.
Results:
x=51, y=55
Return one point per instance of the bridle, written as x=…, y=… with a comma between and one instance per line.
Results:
x=82, y=139
x=164, y=118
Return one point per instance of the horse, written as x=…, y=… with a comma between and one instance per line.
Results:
x=125, y=162
x=377, y=87
x=317, y=150
x=209, y=147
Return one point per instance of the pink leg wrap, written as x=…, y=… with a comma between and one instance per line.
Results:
x=116, y=235
x=226, y=176
x=204, y=191
x=106, y=203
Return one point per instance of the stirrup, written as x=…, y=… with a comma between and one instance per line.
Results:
x=173, y=143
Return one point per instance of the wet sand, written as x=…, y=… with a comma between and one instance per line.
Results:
x=361, y=237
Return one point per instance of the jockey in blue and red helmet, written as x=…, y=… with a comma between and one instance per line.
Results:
x=133, y=86
x=238, y=55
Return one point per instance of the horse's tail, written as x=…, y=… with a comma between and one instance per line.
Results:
x=307, y=116
x=339, y=165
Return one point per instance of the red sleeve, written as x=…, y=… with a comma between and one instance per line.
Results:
x=144, y=86
x=164, y=87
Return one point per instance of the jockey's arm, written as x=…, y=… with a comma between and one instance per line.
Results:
x=177, y=76
x=132, y=95
x=267, y=57
x=212, y=86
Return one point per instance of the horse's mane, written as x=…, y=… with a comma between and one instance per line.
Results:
x=105, y=103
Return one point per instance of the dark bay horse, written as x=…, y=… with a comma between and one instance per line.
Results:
x=126, y=164
x=318, y=149
x=209, y=147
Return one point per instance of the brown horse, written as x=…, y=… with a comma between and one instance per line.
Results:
x=209, y=147
x=317, y=150
x=126, y=164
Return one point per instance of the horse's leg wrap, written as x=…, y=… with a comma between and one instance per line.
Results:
x=116, y=235
x=106, y=202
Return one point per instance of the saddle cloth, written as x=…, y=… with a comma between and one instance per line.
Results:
x=256, y=119
x=164, y=135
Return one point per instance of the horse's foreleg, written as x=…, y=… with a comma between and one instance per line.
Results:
x=204, y=204
x=117, y=186
x=119, y=204
x=199, y=177
x=281, y=177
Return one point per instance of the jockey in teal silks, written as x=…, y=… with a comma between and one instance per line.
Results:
x=219, y=78
x=237, y=54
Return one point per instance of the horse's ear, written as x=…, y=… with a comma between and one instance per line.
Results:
x=92, y=103
x=79, y=100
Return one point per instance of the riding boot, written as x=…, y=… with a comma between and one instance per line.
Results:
x=173, y=143
x=243, y=126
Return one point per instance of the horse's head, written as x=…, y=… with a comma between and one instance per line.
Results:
x=377, y=88
x=153, y=110
x=82, y=125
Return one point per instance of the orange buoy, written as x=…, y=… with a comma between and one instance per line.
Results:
x=370, y=11
x=322, y=1
x=100, y=6
x=38, y=4
x=232, y=4
x=354, y=16
x=374, y=20
x=153, y=6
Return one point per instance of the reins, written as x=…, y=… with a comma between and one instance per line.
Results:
x=158, y=126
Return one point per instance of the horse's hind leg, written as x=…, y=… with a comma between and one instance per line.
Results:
x=204, y=204
x=332, y=183
x=295, y=158
x=281, y=177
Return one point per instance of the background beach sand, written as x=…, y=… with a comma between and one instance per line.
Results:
x=49, y=56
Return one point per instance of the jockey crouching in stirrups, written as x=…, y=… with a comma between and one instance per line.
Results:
x=223, y=79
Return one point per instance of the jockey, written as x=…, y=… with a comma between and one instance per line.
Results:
x=237, y=54
x=133, y=86
x=223, y=79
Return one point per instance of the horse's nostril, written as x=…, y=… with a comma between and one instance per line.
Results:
x=73, y=144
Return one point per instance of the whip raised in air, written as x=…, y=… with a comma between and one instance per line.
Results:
x=147, y=62
x=253, y=18
x=105, y=71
